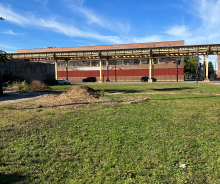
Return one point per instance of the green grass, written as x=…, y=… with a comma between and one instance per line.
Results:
x=137, y=143
x=146, y=87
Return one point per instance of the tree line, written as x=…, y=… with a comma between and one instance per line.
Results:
x=191, y=64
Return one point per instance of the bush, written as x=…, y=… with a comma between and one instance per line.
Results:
x=24, y=86
x=37, y=85
x=8, y=79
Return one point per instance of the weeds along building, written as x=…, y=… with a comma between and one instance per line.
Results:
x=117, y=68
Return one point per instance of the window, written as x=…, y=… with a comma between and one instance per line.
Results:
x=86, y=63
x=118, y=62
x=126, y=62
x=136, y=61
x=145, y=61
x=71, y=63
x=95, y=63
x=61, y=64
x=112, y=62
x=131, y=62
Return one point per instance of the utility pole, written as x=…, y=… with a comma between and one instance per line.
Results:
x=177, y=63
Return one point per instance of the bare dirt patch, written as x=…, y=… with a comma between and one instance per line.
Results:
x=76, y=94
x=75, y=97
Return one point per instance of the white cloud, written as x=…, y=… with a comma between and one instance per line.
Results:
x=44, y=3
x=12, y=33
x=146, y=39
x=9, y=32
x=3, y=47
x=93, y=18
x=52, y=25
x=179, y=31
x=208, y=11
x=11, y=16
x=206, y=30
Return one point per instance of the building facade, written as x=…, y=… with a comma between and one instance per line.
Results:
x=163, y=69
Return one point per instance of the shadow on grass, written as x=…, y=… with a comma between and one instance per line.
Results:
x=188, y=98
x=18, y=95
x=172, y=89
x=144, y=90
x=11, y=178
x=122, y=91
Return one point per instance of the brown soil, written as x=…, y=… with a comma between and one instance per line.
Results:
x=74, y=98
x=76, y=94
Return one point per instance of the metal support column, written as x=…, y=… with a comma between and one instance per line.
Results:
x=150, y=62
x=66, y=61
x=204, y=68
x=177, y=72
x=197, y=69
x=107, y=64
x=100, y=79
x=56, y=69
x=207, y=69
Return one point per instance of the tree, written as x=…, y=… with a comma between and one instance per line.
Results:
x=3, y=60
x=190, y=65
x=211, y=69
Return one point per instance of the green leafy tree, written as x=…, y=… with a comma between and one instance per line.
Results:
x=3, y=60
x=211, y=69
x=190, y=65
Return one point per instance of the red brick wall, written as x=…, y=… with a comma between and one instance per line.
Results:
x=104, y=47
x=127, y=73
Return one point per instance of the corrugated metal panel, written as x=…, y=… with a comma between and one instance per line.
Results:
x=121, y=73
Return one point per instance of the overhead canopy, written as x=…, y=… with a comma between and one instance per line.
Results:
x=146, y=52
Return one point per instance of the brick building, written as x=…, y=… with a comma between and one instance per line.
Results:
x=163, y=69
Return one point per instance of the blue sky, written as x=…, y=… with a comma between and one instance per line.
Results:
x=67, y=23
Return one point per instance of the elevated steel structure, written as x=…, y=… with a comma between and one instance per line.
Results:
x=125, y=53
x=146, y=52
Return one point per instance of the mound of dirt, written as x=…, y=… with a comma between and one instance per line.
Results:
x=76, y=94
x=81, y=92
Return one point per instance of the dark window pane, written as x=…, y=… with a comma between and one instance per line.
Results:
x=95, y=63
x=136, y=61
x=145, y=61
x=86, y=63
x=71, y=63
x=131, y=62
x=126, y=62
x=118, y=62
x=112, y=62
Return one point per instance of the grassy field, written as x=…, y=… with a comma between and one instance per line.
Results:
x=147, y=88
x=172, y=138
